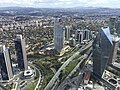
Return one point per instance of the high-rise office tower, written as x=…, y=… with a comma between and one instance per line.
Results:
x=5, y=63
x=91, y=34
x=112, y=22
x=67, y=32
x=58, y=34
x=86, y=34
x=117, y=27
x=79, y=36
x=21, y=53
x=102, y=48
x=115, y=47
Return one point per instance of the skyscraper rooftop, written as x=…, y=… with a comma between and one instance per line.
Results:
x=19, y=37
x=2, y=48
x=107, y=33
x=102, y=49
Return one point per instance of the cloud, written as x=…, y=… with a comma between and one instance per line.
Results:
x=61, y=3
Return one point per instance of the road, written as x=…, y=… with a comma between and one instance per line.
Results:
x=17, y=76
x=72, y=52
x=3, y=88
x=12, y=80
x=55, y=77
x=74, y=82
x=65, y=82
x=39, y=81
x=82, y=58
x=28, y=81
x=77, y=66
x=58, y=72
x=61, y=86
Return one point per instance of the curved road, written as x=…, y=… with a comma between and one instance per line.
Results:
x=37, y=86
x=4, y=88
x=61, y=86
x=55, y=77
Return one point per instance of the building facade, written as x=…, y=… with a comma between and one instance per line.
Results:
x=117, y=26
x=5, y=63
x=68, y=32
x=79, y=36
x=102, y=49
x=21, y=53
x=112, y=22
x=115, y=47
x=58, y=35
x=86, y=33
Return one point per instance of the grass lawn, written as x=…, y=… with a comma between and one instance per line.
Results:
x=32, y=85
x=47, y=72
x=68, y=69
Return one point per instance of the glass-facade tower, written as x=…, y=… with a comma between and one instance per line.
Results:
x=21, y=53
x=58, y=34
x=5, y=63
x=102, y=49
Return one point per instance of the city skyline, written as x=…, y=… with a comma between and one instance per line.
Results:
x=48, y=46
x=60, y=3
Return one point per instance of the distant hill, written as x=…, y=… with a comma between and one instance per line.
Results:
x=53, y=11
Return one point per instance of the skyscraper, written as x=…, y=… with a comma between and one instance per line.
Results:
x=102, y=49
x=58, y=34
x=86, y=34
x=117, y=26
x=5, y=63
x=21, y=53
x=67, y=32
x=115, y=41
x=79, y=35
x=112, y=22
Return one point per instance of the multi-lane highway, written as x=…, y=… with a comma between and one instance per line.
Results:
x=55, y=77
x=83, y=58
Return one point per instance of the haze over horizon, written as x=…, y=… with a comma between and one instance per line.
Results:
x=60, y=3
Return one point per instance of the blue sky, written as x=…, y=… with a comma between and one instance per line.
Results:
x=61, y=3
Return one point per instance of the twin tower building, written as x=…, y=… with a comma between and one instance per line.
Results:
x=6, y=70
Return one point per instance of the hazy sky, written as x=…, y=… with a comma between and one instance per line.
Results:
x=61, y=3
